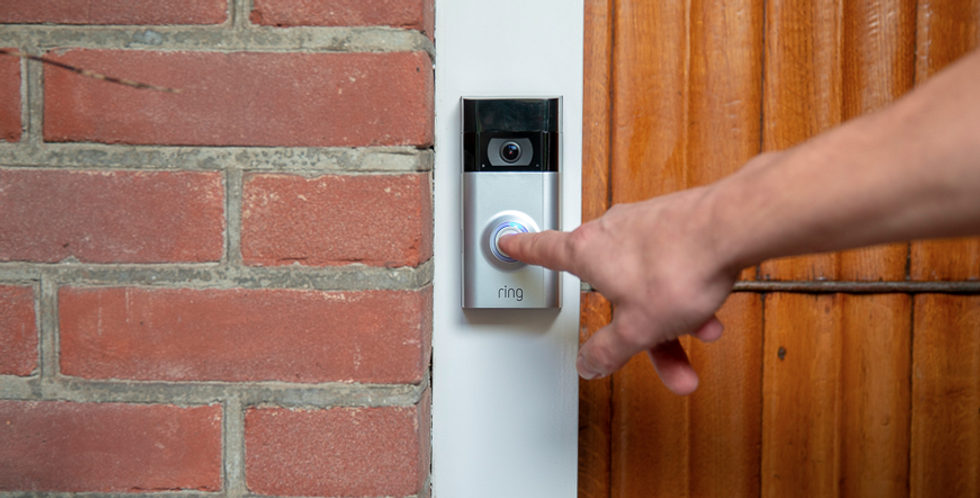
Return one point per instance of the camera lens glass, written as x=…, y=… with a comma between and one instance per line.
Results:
x=510, y=151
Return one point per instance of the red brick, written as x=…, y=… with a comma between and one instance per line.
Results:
x=10, y=98
x=337, y=452
x=249, y=99
x=407, y=14
x=245, y=335
x=18, y=331
x=111, y=216
x=111, y=447
x=113, y=11
x=376, y=220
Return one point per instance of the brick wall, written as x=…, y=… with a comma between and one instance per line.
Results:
x=223, y=291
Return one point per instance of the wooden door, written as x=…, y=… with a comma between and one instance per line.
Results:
x=846, y=374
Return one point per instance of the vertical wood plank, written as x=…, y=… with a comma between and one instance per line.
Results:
x=802, y=396
x=878, y=67
x=946, y=396
x=802, y=97
x=597, y=107
x=836, y=395
x=724, y=131
x=649, y=140
x=862, y=59
x=668, y=134
x=948, y=259
x=595, y=397
x=726, y=410
x=649, y=137
x=725, y=88
x=594, y=409
x=875, y=419
x=649, y=434
x=725, y=100
x=947, y=29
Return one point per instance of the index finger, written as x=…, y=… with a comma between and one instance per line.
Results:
x=550, y=249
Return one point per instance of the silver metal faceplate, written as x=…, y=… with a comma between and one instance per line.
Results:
x=489, y=199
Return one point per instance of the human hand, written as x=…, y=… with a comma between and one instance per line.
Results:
x=658, y=262
x=909, y=171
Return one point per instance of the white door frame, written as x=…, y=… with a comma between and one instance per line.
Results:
x=505, y=392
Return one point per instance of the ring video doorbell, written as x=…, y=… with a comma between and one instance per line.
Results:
x=511, y=184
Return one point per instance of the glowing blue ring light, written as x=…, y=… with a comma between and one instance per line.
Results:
x=503, y=229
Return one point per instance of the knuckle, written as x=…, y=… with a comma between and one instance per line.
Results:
x=578, y=241
x=605, y=363
x=634, y=338
x=615, y=209
x=533, y=246
x=602, y=359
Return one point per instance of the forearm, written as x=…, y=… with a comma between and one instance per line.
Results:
x=909, y=171
x=668, y=263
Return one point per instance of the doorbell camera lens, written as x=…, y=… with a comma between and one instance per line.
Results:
x=510, y=152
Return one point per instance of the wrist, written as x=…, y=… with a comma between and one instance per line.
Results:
x=727, y=206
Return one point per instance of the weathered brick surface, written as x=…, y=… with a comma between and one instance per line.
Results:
x=257, y=99
x=245, y=335
x=337, y=452
x=377, y=220
x=164, y=329
x=407, y=14
x=111, y=216
x=10, y=126
x=59, y=446
x=113, y=11
x=18, y=331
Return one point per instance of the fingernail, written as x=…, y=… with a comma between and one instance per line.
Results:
x=585, y=370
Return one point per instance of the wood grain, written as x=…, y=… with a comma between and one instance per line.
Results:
x=723, y=132
x=650, y=435
x=833, y=384
x=947, y=29
x=878, y=59
x=597, y=108
x=802, y=396
x=594, y=409
x=725, y=90
x=950, y=259
x=686, y=111
x=836, y=395
x=828, y=61
x=946, y=396
x=595, y=397
x=726, y=410
x=875, y=361
x=649, y=138
x=802, y=96
x=650, y=69
x=707, y=444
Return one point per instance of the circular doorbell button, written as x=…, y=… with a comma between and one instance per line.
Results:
x=505, y=228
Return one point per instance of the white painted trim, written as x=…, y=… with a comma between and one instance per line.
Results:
x=505, y=392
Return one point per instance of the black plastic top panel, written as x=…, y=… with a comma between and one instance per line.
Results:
x=480, y=115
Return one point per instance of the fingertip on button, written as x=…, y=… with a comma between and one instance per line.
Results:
x=501, y=237
x=503, y=230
